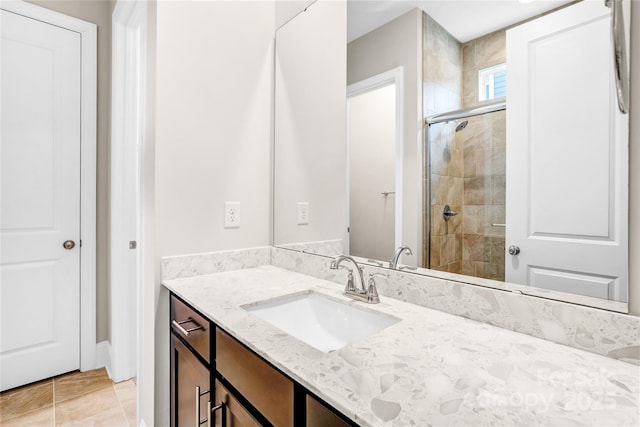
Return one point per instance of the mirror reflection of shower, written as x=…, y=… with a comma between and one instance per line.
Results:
x=466, y=174
x=461, y=125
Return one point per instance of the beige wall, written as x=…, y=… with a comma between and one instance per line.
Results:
x=399, y=43
x=98, y=12
x=211, y=66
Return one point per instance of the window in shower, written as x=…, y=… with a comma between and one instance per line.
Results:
x=492, y=82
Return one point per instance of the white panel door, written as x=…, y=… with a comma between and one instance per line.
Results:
x=567, y=156
x=40, y=201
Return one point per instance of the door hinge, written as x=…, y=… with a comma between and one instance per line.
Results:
x=133, y=244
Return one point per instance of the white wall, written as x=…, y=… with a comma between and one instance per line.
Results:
x=310, y=124
x=287, y=9
x=372, y=170
x=397, y=43
x=209, y=140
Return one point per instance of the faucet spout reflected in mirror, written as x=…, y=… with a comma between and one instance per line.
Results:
x=393, y=263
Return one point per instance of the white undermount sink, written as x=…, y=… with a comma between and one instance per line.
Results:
x=320, y=321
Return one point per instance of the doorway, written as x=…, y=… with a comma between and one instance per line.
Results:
x=374, y=165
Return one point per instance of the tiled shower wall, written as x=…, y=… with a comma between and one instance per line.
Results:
x=467, y=167
x=483, y=145
x=442, y=83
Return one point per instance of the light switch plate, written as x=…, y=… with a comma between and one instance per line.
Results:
x=231, y=214
x=303, y=213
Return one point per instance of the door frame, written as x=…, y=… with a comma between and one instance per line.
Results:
x=393, y=76
x=88, y=122
x=129, y=22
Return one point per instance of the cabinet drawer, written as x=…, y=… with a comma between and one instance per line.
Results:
x=266, y=388
x=235, y=414
x=191, y=326
x=320, y=416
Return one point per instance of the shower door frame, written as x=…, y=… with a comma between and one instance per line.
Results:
x=492, y=106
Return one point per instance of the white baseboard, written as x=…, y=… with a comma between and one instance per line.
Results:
x=103, y=356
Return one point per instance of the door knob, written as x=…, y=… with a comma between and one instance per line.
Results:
x=514, y=250
x=69, y=244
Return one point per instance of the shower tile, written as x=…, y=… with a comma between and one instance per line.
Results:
x=469, y=55
x=491, y=49
x=455, y=267
x=470, y=219
x=454, y=224
x=456, y=163
x=439, y=159
x=438, y=225
x=455, y=194
x=486, y=249
x=499, y=129
x=435, y=251
x=450, y=248
x=474, y=191
x=472, y=247
x=498, y=189
x=468, y=268
x=498, y=160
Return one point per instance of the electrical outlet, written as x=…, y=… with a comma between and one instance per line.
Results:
x=231, y=214
x=303, y=213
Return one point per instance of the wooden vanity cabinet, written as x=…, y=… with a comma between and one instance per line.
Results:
x=248, y=390
x=190, y=365
x=318, y=415
x=264, y=387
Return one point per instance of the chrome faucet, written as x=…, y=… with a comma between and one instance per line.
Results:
x=393, y=263
x=369, y=295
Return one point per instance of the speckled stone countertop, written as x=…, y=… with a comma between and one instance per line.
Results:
x=431, y=368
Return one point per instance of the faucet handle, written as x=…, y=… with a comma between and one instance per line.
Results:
x=372, y=292
x=350, y=287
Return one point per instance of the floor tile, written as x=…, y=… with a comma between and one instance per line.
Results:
x=77, y=383
x=126, y=392
x=38, y=418
x=22, y=400
x=85, y=406
x=110, y=418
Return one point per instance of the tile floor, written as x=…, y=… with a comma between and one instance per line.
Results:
x=74, y=399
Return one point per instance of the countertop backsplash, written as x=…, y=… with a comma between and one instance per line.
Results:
x=598, y=331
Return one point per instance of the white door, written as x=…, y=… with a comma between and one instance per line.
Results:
x=371, y=140
x=40, y=200
x=567, y=156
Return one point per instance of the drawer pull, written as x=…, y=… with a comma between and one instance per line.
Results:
x=198, y=396
x=183, y=331
x=211, y=410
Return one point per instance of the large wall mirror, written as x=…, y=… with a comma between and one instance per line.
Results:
x=477, y=141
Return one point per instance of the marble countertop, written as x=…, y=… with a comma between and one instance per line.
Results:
x=431, y=368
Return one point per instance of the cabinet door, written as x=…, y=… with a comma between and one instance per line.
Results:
x=187, y=373
x=320, y=416
x=233, y=414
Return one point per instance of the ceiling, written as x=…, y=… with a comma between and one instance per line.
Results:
x=464, y=19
